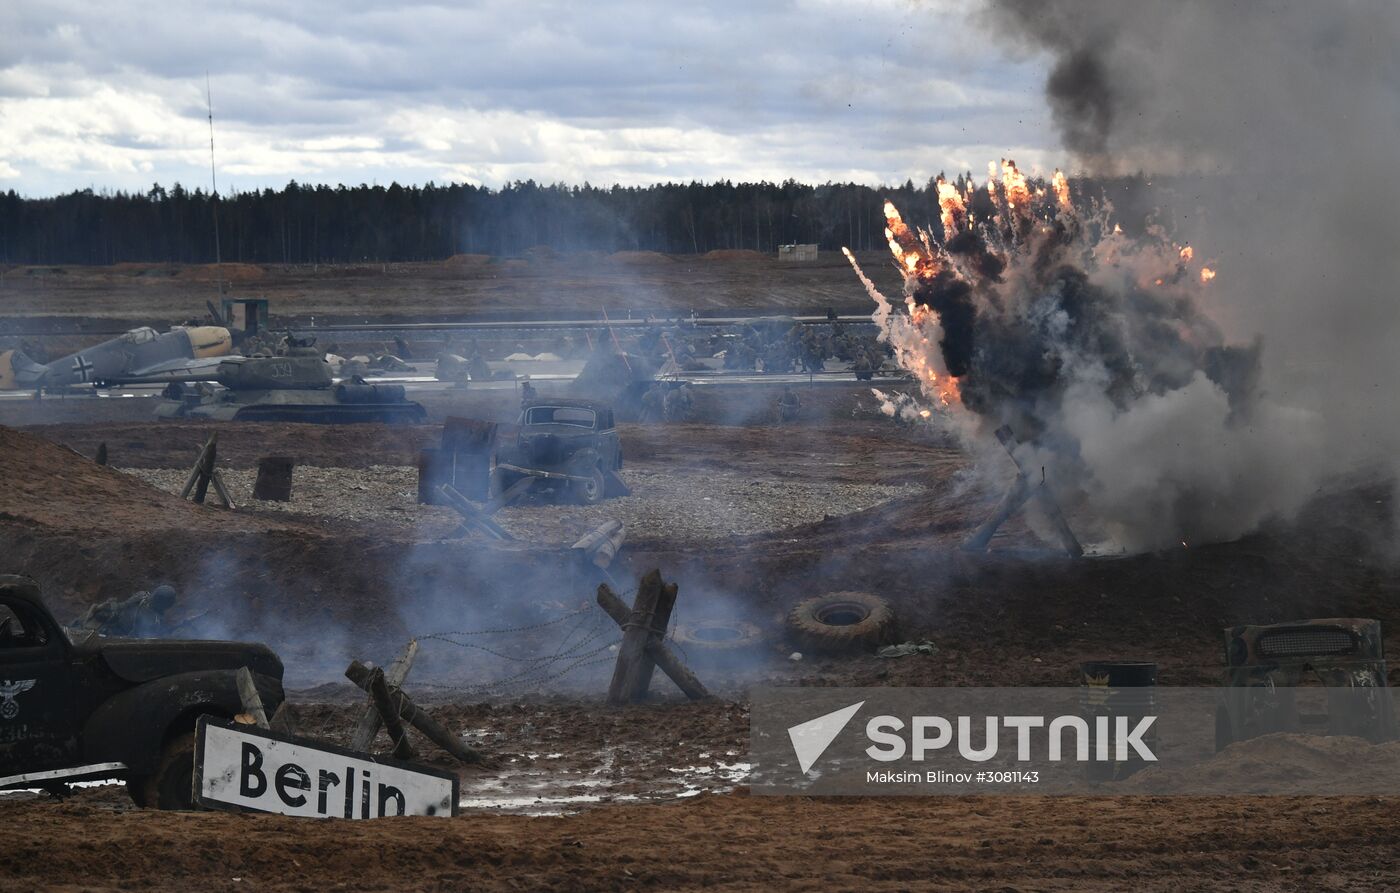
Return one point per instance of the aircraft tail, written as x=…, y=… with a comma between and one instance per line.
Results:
x=18, y=372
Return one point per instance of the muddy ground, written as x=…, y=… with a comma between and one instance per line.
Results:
x=653, y=796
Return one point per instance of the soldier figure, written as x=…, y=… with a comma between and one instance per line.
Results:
x=141, y=616
x=788, y=405
x=677, y=404
x=653, y=404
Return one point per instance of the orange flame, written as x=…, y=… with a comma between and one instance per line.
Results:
x=1186, y=253
x=1060, y=183
x=953, y=209
x=1207, y=274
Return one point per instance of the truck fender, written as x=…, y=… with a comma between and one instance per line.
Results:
x=131, y=726
x=582, y=462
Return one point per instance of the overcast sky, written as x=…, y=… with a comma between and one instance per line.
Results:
x=112, y=94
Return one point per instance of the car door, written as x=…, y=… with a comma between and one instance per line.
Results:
x=36, y=692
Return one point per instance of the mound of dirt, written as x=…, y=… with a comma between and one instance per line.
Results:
x=1284, y=762
x=47, y=485
x=226, y=272
x=640, y=258
x=742, y=254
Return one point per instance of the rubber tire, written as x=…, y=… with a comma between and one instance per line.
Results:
x=810, y=633
x=591, y=491
x=690, y=637
x=171, y=786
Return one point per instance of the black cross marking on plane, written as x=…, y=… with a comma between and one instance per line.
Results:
x=82, y=367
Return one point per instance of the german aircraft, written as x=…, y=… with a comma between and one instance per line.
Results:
x=139, y=352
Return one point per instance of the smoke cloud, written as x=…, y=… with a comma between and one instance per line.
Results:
x=1184, y=413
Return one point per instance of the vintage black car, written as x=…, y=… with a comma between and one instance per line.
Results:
x=77, y=706
x=570, y=445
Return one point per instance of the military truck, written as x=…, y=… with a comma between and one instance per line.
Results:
x=281, y=389
x=76, y=706
x=1324, y=676
x=568, y=445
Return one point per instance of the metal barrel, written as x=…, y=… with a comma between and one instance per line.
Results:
x=1118, y=689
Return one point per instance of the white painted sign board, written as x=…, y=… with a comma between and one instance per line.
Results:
x=238, y=766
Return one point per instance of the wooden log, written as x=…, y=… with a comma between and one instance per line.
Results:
x=371, y=720
x=248, y=694
x=393, y=724
x=101, y=453
x=1051, y=506
x=274, y=481
x=434, y=470
x=1014, y=498
x=471, y=515
x=511, y=494
x=636, y=630
x=412, y=714
x=221, y=489
x=198, y=464
x=658, y=651
x=639, y=677
x=206, y=472
x=601, y=543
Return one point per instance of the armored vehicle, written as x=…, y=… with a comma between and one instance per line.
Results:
x=1324, y=676
x=283, y=389
x=569, y=444
x=78, y=706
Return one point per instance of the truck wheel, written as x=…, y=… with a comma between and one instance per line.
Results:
x=715, y=640
x=589, y=491
x=841, y=623
x=171, y=786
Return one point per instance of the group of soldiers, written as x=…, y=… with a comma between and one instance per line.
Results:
x=141, y=615
x=662, y=403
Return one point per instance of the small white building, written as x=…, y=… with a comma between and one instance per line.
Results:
x=797, y=252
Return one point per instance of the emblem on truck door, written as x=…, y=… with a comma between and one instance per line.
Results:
x=9, y=708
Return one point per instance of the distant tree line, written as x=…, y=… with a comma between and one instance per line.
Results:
x=329, y=224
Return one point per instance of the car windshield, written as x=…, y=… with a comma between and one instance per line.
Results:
x=560, y=415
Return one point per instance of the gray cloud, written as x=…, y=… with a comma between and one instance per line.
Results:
x=628, y=91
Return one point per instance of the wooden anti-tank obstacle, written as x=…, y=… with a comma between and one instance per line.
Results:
x=644, y=646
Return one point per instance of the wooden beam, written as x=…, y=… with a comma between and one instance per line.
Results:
x=511, y=494
x=393, y=723
x=658, y=651
x=248, y=694
x=1014, y=498
x=198, y=464
x=639, y=676
x=370, y=721
x=471, y=515
x=636, y=630
x=412, y=714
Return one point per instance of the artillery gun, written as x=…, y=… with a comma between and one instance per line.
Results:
x=297, y=388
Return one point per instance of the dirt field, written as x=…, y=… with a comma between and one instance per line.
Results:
x=557, y=286
x=653, y=796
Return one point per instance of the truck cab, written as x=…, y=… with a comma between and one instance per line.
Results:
x=79, y=706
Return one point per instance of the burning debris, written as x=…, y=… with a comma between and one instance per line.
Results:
x=1030, y=311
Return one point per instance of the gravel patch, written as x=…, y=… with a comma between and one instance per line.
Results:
x=682, y=505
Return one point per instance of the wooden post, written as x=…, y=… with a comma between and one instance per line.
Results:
x=393, y=723
x=470, y=514
x=248, y=694
x=101, y=453
x=1015, y=497
x=206, y=472
x=639, y=676
x=635, y=632
x=359, y=674
x=274, y=482
x=221, y=489
x=511, y=494
x=198, y=464
x=370, y=721
x=656, y=649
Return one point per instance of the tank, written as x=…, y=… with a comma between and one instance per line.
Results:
x=284, y=389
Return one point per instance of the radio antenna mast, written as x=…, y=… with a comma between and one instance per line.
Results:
x=214, y=184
